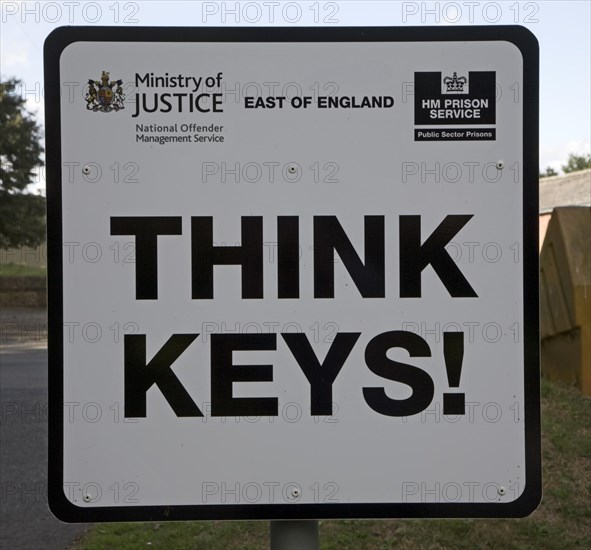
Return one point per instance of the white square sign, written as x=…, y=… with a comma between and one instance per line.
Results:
x=293, y=273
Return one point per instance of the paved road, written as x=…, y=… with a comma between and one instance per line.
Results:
x=25, y=520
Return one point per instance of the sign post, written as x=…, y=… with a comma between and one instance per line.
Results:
x=293, y=273
x=294, y=534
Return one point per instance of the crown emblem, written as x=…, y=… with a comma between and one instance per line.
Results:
x=104, y=95
x=455, y=83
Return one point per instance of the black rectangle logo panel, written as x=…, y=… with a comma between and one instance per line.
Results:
x=455, y=99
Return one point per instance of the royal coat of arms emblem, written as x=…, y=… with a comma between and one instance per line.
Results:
x=105, y=95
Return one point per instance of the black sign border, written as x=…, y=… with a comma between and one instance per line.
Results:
x=527, y=44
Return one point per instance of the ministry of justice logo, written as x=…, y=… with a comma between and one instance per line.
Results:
x=105, y=95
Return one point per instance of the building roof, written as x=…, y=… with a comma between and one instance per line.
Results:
x=572, y=189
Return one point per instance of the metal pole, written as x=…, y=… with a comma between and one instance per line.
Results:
x=294, y=535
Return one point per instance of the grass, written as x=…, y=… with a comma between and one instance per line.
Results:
x=562, y=521
x=17, y=270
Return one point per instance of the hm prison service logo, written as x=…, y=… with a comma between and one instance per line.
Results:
x=458, y=99
x=105, y=95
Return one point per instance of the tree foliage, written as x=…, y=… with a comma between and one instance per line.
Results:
x=22, y=214
x=576, y=163
x=549, y=172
